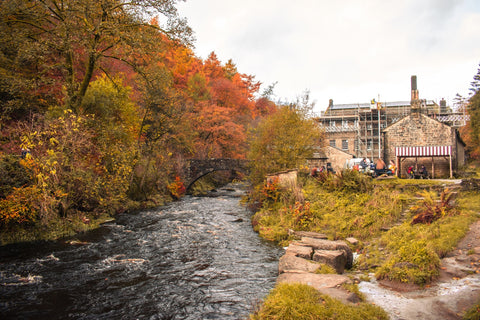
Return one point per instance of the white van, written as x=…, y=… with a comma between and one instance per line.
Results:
x=355, y=163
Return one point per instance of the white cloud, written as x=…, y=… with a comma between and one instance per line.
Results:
x=347, y=50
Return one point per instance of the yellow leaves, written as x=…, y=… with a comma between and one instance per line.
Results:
x=53, y=141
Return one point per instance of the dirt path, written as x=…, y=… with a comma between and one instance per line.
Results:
x=457, y=289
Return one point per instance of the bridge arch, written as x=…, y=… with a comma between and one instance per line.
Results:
x=198, y=168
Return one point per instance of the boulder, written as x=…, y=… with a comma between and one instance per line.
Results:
x=300, y=234
x=318, y=281
x=341, y=294
x=300, y=251
x=352, y=241
x=320, y=244
x=292, y=263
x=334, y=258
x=328, y=284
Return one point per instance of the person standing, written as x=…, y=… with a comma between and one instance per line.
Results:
x=379, y=167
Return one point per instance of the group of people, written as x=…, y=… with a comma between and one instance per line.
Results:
x=422, y=173
x=378, y=168
x=315, y=170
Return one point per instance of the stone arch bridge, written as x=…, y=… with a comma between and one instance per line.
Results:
x=198, y=168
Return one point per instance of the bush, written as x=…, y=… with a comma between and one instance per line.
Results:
x=346, y=180
x=430, y=209
x=14, y=174
x=21, y=206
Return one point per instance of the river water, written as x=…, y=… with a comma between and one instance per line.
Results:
x=197, y=258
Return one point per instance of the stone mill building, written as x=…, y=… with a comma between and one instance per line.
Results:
x=410, y=133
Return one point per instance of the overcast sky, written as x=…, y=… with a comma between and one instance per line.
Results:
x=350, y=51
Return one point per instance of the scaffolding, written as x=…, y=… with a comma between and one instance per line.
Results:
x=363, y=123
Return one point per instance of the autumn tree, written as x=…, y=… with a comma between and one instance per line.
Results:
x=283, y=141
x=471, y=132
x=73, y=39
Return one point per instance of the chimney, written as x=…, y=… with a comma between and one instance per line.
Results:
x=414, y=88
x=443, y=106
x=330, y=103
x=414, y=102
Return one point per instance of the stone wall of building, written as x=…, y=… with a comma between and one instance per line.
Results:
x=340, y=138
x=337, y=158
x=334, y=156
x=417, y=130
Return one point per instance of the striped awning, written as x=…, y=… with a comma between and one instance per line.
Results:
x=430, y=151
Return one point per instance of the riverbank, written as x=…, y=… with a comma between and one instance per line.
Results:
x=392, y=246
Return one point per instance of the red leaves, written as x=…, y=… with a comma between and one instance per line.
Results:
x=430, y=209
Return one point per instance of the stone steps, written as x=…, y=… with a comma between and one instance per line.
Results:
x=304, y=258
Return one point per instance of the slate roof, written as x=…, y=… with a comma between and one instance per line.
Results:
x=368, y=105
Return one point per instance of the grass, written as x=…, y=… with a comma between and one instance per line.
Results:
x=57, y=229
x=376, y=212
x=378, y=216
x=339, y=214
x=300, y=301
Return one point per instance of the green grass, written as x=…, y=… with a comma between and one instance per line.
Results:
x=300, y=301
x=339, y=214
x=390, y=246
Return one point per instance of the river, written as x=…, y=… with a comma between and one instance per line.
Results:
x=197, y=258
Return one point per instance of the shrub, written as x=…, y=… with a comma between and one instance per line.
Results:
x=431, y=209
x=176, y=188
x=271, y=190
x=14, y=174
x=21, y=206
x=302, y=216
x=346, y=180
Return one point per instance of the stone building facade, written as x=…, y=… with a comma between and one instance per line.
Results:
x=336, y=157
x=419, y=130
x=373, y=130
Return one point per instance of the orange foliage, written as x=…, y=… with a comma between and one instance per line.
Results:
x=20, y=206
x=177, y=188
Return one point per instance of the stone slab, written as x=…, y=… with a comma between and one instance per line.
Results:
x=300, y=251
x=335, y=258
x=321, y=244
x=318, y=281
x=292, y=263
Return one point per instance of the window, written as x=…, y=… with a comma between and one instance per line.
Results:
x=344, y=144
x=369, y=144
x=356, y=145
x=332, y=143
